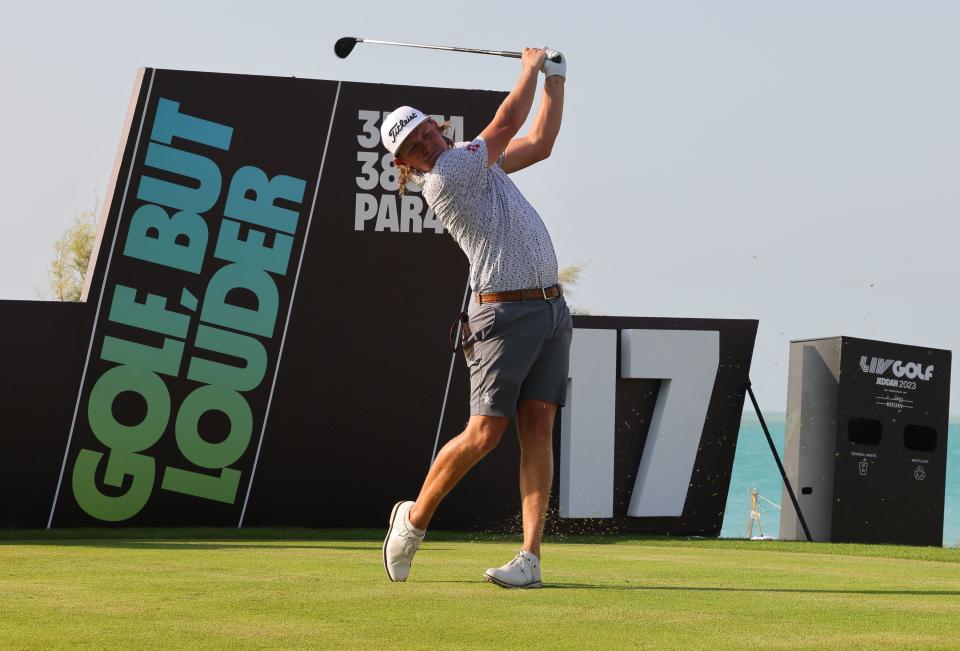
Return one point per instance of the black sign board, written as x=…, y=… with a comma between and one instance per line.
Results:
x=866, y=441
x=891, y=462
x=241, y=193
x=265, y=340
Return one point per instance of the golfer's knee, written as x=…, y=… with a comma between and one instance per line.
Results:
x=484, y=432
x=533, y=439
x=535, y=423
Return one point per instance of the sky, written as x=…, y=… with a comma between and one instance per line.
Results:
x=796, y=163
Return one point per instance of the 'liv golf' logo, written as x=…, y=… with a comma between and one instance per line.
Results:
x=911, y=370
x=206, y=355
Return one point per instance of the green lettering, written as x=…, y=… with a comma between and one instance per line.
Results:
x=253, y=251
x=259, y=320
x=221, y=488
x=151, y=315
x=241, y=346
x=164, y=360
x=192, y=444
x=178, y=242
x=169, y=122
x=201, y=169
x=252, y=181
x=112, y=508
x=128, y=438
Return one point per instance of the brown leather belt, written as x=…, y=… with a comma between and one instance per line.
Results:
x=536, y=294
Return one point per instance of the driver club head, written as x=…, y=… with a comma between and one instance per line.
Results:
x=344, y=46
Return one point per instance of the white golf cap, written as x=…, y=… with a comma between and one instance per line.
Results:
x=398, y=125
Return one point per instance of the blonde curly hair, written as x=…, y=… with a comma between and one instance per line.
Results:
x=405, y=173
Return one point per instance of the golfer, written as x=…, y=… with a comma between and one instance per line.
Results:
x=516, y=333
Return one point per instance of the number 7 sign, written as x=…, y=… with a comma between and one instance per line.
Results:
x=686, y=362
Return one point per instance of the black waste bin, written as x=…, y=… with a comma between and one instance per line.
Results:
x=866, y=441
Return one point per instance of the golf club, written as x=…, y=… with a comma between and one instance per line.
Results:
x=344, y=46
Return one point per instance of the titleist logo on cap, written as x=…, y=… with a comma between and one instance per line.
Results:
x=398, y=127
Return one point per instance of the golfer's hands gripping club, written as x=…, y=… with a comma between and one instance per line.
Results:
x=552, y=68
x=532, y=58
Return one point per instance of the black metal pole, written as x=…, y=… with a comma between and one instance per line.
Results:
x=783, y=473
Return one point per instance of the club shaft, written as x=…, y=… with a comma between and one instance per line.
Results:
x=500, y=53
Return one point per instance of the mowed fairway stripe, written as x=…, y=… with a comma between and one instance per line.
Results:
x=319, y=591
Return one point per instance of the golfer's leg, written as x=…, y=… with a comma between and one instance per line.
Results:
x=458, y=456
x=535, y=428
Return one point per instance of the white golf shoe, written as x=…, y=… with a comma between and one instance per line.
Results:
x=402, y=542
x=522, y=572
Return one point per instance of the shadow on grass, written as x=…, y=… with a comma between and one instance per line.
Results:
x=163, y=534
x=206, y=546
x=289, y=533
x=266, y=535
x=685, y=588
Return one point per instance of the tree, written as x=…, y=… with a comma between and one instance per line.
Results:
x=71, y=257
x=569, y=276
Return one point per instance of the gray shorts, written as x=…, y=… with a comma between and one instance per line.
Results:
x=517, y=351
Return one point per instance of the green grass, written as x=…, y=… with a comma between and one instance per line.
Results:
x=327, y=589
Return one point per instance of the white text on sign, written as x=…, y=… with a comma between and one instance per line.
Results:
x=379, y=207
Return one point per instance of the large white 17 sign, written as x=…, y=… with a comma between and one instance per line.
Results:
x=686, y=362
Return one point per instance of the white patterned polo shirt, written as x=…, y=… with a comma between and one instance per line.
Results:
x=503, y=237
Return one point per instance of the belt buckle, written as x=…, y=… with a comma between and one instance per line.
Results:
x=544, y=290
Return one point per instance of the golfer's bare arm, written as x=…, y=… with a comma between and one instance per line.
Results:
x=515, y=108
x=538, y=143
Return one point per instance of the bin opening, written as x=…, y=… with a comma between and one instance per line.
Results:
x=920, y=438
x=806, y=490
x=864, y=431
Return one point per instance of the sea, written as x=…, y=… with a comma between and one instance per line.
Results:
x=754, y=467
